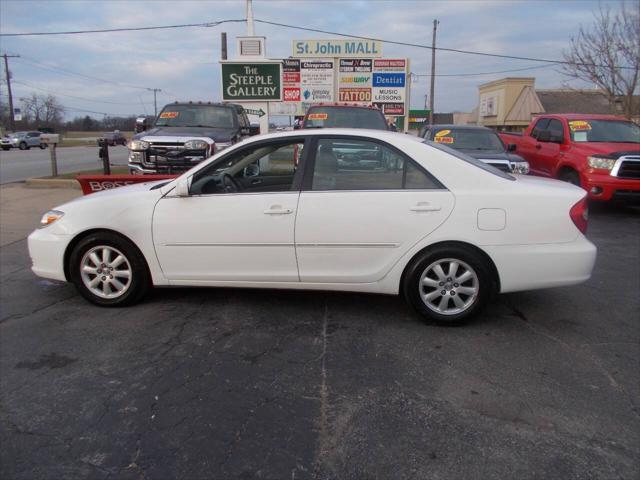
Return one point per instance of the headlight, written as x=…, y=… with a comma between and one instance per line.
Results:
x=196, y=145
x=137, y=145
x=602, y=163
x=520, y=167
x=50, y=217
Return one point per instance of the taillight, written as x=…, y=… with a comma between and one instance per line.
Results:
x=579, y=213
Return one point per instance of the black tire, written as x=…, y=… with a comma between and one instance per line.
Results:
x=140, y=281
x=23, y=146
x=6, y=148
x=570, y=176
x=483, y=282
x=43, y=146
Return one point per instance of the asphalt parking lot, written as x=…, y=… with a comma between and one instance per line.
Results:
x=225, y=383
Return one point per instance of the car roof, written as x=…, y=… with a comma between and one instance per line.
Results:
x=459, y=127
x=343, y=105
x=384, y=135
x=582, y=116
x=202, y=104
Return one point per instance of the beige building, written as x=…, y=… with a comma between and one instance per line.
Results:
x=510, y=103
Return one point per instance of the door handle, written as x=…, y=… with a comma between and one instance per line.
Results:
x=277, y=210
x=425, y=207
x=538, y=146
x=256, y=182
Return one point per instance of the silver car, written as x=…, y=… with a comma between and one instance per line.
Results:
x=22, y=140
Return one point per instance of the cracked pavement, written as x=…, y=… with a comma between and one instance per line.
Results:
x=229, y=383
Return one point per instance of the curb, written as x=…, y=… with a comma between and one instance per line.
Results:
x=52, y=183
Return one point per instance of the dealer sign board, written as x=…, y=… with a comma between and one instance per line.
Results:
x=337, y=48
x=251, y=81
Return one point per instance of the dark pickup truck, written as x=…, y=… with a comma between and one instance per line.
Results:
x=184, y=134
x=481, y=143
x=600, y=153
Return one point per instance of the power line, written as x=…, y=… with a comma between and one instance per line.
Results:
x=419, y=45
x=420, y=75
x=130, y=29
x=56, y=69
x=30, y=85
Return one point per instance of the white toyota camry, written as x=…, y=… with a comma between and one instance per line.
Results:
x=355, y=210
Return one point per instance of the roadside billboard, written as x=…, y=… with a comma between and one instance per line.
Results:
x=251, y=81
x=389, y=85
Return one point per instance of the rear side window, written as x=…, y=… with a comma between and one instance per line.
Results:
x=358, y=164
x=555, y=128
x=344, y=117
x=469, y=159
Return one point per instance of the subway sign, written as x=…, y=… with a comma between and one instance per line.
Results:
x=251, y=81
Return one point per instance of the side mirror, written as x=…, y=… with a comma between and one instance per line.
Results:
x=254, y=130
x=245, y=131
x=511, y=147
x=182, y=187
x=252, y=170
x=544, y=136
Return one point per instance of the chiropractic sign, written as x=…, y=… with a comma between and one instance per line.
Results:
x=252, y=81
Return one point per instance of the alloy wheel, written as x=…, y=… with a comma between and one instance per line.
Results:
x=449, y=286
x=106, y=272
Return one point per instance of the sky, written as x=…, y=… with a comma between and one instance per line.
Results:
x=184, y=62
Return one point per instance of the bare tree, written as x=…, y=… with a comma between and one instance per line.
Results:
x=43, y=110
x=608, y=54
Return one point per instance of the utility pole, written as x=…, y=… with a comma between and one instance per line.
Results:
x=155, y=103
x=223, y=45
x=433, y=71
x=8, y=75
x=250, y=30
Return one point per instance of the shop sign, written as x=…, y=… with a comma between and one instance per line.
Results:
x=251, y=81
x=337, y=48
x=355, y=95
x=316, y=80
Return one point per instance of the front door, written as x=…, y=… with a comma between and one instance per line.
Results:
x=363, y=205
x=237, y=224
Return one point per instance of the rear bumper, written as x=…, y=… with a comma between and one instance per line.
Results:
x=528, y=267
x=605, y=187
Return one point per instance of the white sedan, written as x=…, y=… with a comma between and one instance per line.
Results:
x=333, y=209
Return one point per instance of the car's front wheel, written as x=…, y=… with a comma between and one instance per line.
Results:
x=448, y=284
x=109, y=270
x=23, y=146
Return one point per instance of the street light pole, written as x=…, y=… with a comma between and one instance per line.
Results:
x=8, y=75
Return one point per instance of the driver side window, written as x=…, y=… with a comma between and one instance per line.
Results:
x=263, y=167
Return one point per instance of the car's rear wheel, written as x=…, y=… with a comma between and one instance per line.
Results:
x=109, y=270
x=43, y=146
x=23, y=146
x=449, y=284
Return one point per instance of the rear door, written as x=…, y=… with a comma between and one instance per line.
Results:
x=357, y=217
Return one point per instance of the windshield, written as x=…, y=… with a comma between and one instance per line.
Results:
x=196, y=116
x=463, y=139
x=613, y=131
x=17, y=134
x=337, y=117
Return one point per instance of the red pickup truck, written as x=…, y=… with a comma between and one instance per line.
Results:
x=600, y=153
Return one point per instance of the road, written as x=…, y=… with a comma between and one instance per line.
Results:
x=230, y=383
x=17, y=165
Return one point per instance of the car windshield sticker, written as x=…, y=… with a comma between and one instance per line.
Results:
x=169, y=114
x=318, y=116
x=443, y=133
x=441, y=137
x=580, y=137
x=579, y=126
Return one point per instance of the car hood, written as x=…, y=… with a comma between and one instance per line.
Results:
x=215, y=134
x=484, y=155
x=605, y=148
